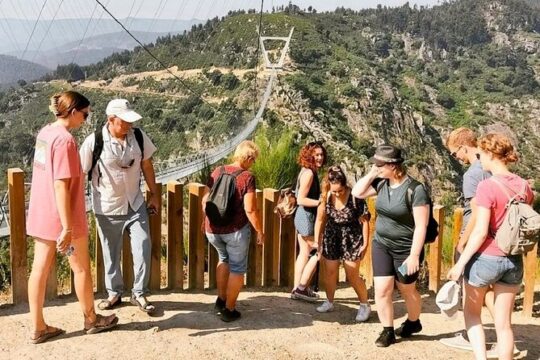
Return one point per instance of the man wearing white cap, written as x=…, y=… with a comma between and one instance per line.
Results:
x=114, y=158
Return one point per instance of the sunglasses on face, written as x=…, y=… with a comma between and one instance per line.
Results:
x=454, y=153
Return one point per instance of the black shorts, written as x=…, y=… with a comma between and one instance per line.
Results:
x=386, y=263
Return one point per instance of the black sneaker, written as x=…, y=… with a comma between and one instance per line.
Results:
x=408, y=328
x=219, y=306
x=385, y=339
x=228, y=315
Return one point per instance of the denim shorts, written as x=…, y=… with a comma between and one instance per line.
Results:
x=483, y=270
x=233, y=248
x=304, y=221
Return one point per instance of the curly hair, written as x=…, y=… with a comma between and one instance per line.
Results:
x=499, y=146
x=306, y=158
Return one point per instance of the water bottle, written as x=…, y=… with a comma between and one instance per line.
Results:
x=70, y=250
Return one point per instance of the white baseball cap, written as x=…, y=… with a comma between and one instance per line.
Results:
x=122, y=109
x=447, y=298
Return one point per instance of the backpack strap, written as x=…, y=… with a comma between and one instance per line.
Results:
x=96, y=152
x=380, y=185
x=140, y=140
x=413, y=184
x=504, y=187
x=237, y=173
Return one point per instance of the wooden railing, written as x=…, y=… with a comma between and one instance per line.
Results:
x=269, y=265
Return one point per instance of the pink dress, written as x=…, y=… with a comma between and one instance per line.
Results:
x=56, y=158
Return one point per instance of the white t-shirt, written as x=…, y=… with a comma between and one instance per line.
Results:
x=116, y=178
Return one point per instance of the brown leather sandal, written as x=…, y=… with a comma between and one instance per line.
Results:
x=143, y=304
x=110, y=304
x=45, y=334
x=101, y=323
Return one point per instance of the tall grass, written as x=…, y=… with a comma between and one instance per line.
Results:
x=276, y=165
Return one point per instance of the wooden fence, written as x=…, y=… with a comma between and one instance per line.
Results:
x=269, y=265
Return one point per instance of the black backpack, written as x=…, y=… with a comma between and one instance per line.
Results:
x=219, y=209
x=98, y=147
x=432, y=230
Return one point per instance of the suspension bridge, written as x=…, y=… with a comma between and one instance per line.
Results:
x=185, y=166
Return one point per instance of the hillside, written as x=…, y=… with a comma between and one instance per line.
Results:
x=63, y=31
x=13, y=69
x=405, y=75
x=92, y=49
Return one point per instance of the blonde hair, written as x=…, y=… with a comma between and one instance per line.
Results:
x=499, y=146
x=65, y=102
x=246, y=150
x=461, y=137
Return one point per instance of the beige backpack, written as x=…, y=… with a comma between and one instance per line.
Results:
x=520, y=229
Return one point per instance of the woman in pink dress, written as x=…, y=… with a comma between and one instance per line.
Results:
x=57, y=215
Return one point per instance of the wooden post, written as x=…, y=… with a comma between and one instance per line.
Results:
x=17, y=236
x=196, y=239
x=288, y=252
x=255, y=260
x=435, y=251
x=366, y=268
x=127, y=263
x=100, y=270
x=175, y=236
x=456, y=230
x=155, y=238
x=271, y=241
x=530, y=265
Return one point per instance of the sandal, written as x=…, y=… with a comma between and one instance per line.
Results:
x=46, y=334
x=110, y=304
x=143, y=304
x=101, y=323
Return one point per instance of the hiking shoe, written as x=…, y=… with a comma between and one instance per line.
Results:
x=326, y=306
x=219, y=306
x=364, y=310
x=385, y=339
x=313, y=293
x=306, y=295
x=230, y=315
x=408, y=328
x=457, y=341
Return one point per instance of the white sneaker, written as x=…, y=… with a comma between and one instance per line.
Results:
x=493, y=353
x=364, y=310
x=326, y=306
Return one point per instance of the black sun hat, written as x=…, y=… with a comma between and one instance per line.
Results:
x=386, y=154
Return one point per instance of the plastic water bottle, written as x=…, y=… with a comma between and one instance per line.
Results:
x=70, y=250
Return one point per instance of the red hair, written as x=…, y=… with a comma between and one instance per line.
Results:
x=306, y=158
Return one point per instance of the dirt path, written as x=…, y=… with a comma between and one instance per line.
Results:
x=272, y=327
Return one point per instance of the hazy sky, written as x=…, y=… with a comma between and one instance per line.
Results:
x=169, y=9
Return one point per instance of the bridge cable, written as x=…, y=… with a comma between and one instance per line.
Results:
x=33, y=29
